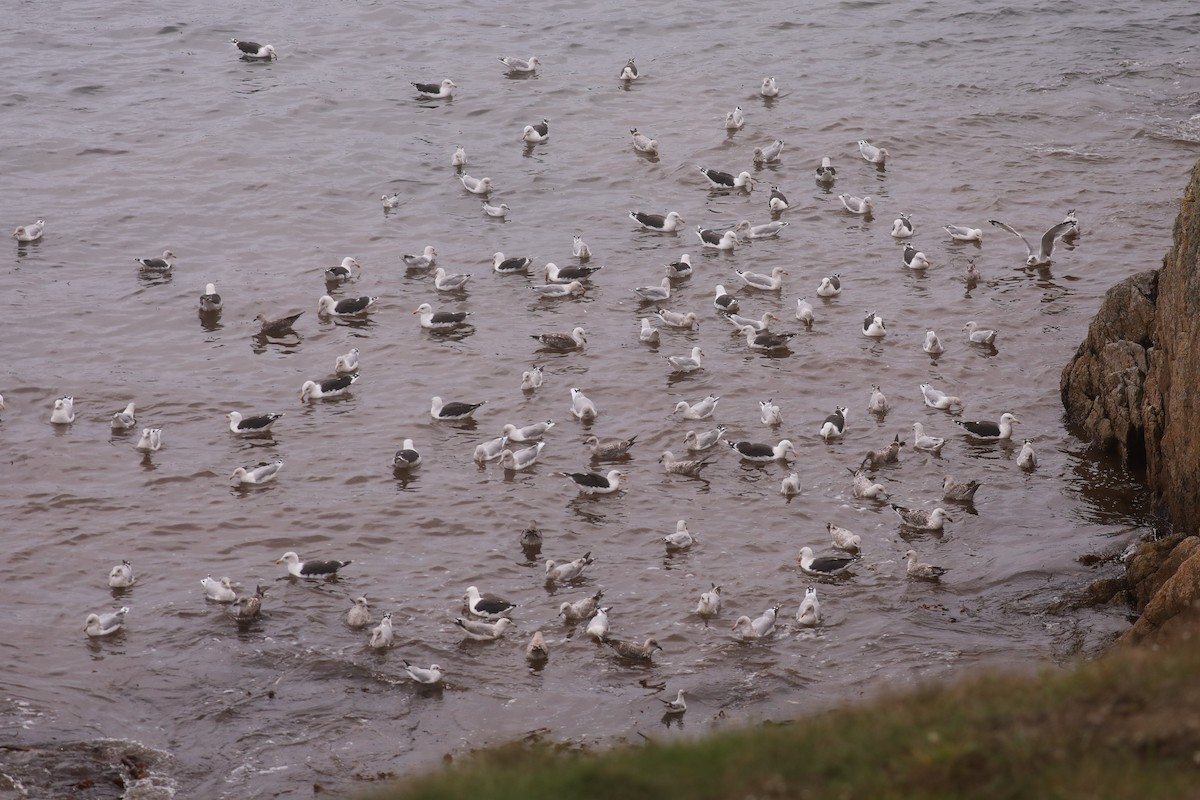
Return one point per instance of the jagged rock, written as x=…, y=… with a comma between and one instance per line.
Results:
x=1173, y=591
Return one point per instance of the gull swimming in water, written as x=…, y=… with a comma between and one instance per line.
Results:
x=490, y=450
x=426, y=259
x=581, y=609
x=31, y=232
x=436, y=90
x=831, y=286
x=757, y=628
x=768, y=230
x=864, y=487
x=598, y=624
x=531, y=379
x=382, y=635
x=500, y=211
x=826, y=172
x=977, y=335
x=539, y=132
x=809, y=613
x=804, y=313
x=581, y=406
x=527, y=433
x=702, y=409
x=990, y=430
x=654, y=294
x=676, y=706
x=710, y=602
x=249, y=606
x=916, y=569
x=778, y=201
x=844, y=540
x=914, y=258
x=1045, y=246
x=221, y=591
x=921, y=519
x=766, y=340
x=430, y=677
x=346, y=363
x=790, y=485
x=124, y=420
x=484, y=631
x=555, y=290
x=962, y=233
x=762, y=453
x=873, y=154
x=330, y=387
x=609, y=448
x=121, y=576
x=902, y=227
x=834, y=425
x=518, y=460
x=1027, y=459
x=389, y=201
x=688, y=363
x=359, y=615
x=648, y=333
x=629, y=72
x=766, y=283
x=251, y=425
x=727, y=180
x=254, y=50
x=932, y=344
x=567, y=570
x=688, y=467
x=453, y=410
x=676, y=320
x=723, y=300
x=575, y=340
x=210, y=301
x=459, y=157
x=520, y=64
x=875, y=459
x=507, y=266
x=488, y=606
x=825, y=566
x=150, y=441
x=681, y=538
x=476, y=185
x=769, y=413
x=633, y=651
x=105, y=624
x=537, y=650
x=959, y=492
x=936, y=398
x=658, y=222
x=878, y=404
x=735, y=119
x=346, y=307
x=580, y=249
x=440, y=320
x=342, y=272
x=717, y=241
x=856, y=205
x=161, y=264
x=769, y=88
x=262, y=473
x=407, y=456
x=278, y=326
x=643, y=143
x=873, y=327
x=704, y=440
x=769, y=154
x=594, y=482
x=921, y=441
x=761, y=324
x=444, y=282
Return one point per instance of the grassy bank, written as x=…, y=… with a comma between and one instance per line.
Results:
x=1125, y=726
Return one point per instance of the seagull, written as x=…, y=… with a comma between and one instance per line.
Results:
x=990, y=430
x=407, y=456
x=676, y=706
x=762, y=453
x=219, y=591
x=342, y=272
x=831, y=286
x=689, y=363
x=834, y=425
x=517, y=460
x=121, y=576
x=648, y=333
x=790, y=485
x=932, y=344
x=654, y=294
x=124, y=420
x=162, y=264
x=484, y=631
x=873, y=327
x=1045, y=247
x=864, y=487
x=804, y=312
x=382, y=635
x=767, y=283
x=105, y=624
x=581, y=609
x=823, y=565
x=426, y=259
x=476, y=185
x=552, y=290
x=255, y=50
x=527, y=433
x=873, y=154
x=717, y=241
x=878, y=404
x=674, y=319
x=643, y=143
x=902, y=227
x=488, y=606
x=500, y=211
x=531, y=379
x=702, y=409
x=727, y=180
x=598, y=624
x=452, y=411
x=778, y=201
x=594, y=482
x=761, y=324
x=809, y=613
x=359, y=615
x=657, y=222
x=210, y=301
x=843, y=539
x=688, y=467
x=885, y=455
x=389, y=201
x=629, y=72
x=935, y=398
x=29, y=233
x=309, y=569
x=567, y=570
x=632, y=650
x=250, y=606
x=521, y=65
x=971, y=275
x=856, y=205
x=1027, y=459
x=681, y=539
x=766, y=340
x=723, y=300
x=959, y=492
x=769, y=230
x=575, y=340
x=769, y=88
x=961, y=233
x=278, y=326
x=150, y=441
x=921, y=519
x=976, y=335
x=507, y=266
x=330, y=387
x=932, y=444
x=251, y=425
x=346, y=307
x=580, y=249
x=430, y=677
x=260, y=473
x=609, y=448
x=444, y=282
x=441, y=320
x=490, y=450
x=705, y=439
x=735, y=119
x=769, y=413
x=346, y=363
x=757, y=628
x=710, y=602
x=826, y=173
x=919, y=570
x=435, y=90
x=582, y=407
x=1073, y=232
x=537, y=650
x=914, y=258
x=768, y=154
x=537, y=133
x=64, y=411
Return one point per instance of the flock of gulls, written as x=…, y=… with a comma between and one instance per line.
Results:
x=487, y=617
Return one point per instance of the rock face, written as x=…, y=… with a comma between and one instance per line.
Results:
x=1133, y=388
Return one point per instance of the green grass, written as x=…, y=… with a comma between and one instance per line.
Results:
x=1125, y=726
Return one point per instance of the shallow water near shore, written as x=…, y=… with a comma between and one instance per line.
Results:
x=134, y=129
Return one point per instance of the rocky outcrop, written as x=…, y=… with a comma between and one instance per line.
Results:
x=1133, y=388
